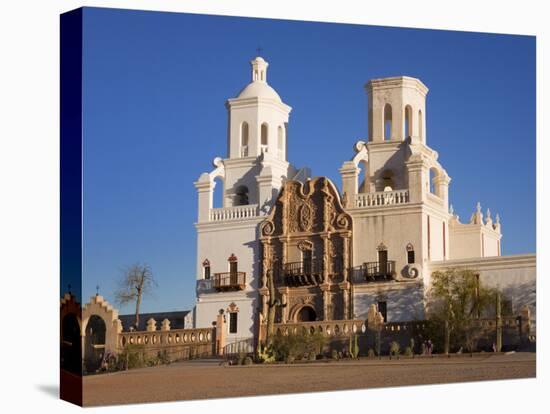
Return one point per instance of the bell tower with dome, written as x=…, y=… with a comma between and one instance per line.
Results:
x=251, y=175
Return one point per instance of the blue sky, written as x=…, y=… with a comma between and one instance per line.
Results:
x=155, y=85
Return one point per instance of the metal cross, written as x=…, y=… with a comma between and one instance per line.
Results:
x=97, y=290
x=259, y=50
x=69, y=286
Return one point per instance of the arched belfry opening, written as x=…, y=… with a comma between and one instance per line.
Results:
x=408, y=121
x=281, y=142
x=420, y=126
x=363, y=179
x=218, y=192
x=264, y=138
x=244, y=139
x=433, y=182
x=388, y=122
x=241, y=196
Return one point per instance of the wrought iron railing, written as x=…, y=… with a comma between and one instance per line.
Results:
x=229, y=281
x=373, y=272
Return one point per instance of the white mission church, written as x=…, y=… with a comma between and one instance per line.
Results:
x=334, y=252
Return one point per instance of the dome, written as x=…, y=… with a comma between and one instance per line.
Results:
x=259, y=90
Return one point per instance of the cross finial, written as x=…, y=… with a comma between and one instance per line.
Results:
x=97, y=290
x=259, y=50
x=69, y=286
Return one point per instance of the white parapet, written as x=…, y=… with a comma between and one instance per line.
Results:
x=234, y=213
x=381, y=198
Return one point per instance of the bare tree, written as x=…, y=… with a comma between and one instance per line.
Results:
x=137, y=281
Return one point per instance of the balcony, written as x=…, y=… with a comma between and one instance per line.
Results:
x=381, y=198
x=373, y=272
x=234, y=213
x=228, y=281
x=301, y=273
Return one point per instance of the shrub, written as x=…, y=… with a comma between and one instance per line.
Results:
x=353, y=346
x=394, y=348
x=371, y=353
x=290, y=347
x=132, y=356
x=334, y=354
x=408, y=351
x=247, y=361
x=312, y=356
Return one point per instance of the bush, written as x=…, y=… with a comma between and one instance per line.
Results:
x=394, y=348
x=312, y=356
x=334, y=354
x=290, y=347
x=408, y=351
x=371, y=353
x=247, y=361
x=132, y=356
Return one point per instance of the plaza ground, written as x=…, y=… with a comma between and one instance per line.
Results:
x=208, y=379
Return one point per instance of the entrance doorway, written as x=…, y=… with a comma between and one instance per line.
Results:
x=306, y=314
x=70, y=344
x=95, y=343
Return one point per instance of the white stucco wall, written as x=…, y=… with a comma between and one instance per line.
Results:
x=404, y=300
x=514, y=275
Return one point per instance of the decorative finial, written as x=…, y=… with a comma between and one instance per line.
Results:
x=97, y=290
x=451, y=210
x=488, y=214
x=69, y=286
x=259, y=69
x=497, y=219
x=259, y=51
x=478, y=207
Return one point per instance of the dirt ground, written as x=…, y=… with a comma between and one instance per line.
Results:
x=208, y=379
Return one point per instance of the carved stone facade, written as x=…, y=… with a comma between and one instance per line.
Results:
x=306, y=247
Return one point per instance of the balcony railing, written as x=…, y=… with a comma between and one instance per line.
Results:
x=229, y=281
x=373, y=272
x=301, y=273
x=381, y=198
x=234, y=213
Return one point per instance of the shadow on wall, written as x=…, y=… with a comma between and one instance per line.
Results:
x=404, y=304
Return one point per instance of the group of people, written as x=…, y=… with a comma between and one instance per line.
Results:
x=427, y=347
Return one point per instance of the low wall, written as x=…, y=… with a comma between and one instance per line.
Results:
x=178, y=343
x=515, y=333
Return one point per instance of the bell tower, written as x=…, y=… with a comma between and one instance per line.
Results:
x=258, y=118
x=397, y=109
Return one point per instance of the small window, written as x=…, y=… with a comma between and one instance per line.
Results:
x=206, y=269
x=410, y=256
x=233, y=322
x=383, y=309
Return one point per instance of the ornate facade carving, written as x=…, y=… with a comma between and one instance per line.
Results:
x=308, y=217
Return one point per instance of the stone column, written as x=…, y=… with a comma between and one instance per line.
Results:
x=326, y=299
x=220, y=333
x=345, y=257
x=350, y=174
x=418, y=176
x=205, y=188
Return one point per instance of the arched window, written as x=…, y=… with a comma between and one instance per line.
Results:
x=244, y=139
x=264, y=137
x=241, y=196
x=363, y=178
x=433, y=186
x=206, y=269
x=280, y=141
x=420, y=126
x=408, y=121
x=218, y=193
x=387, y=122
x=386, y=181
